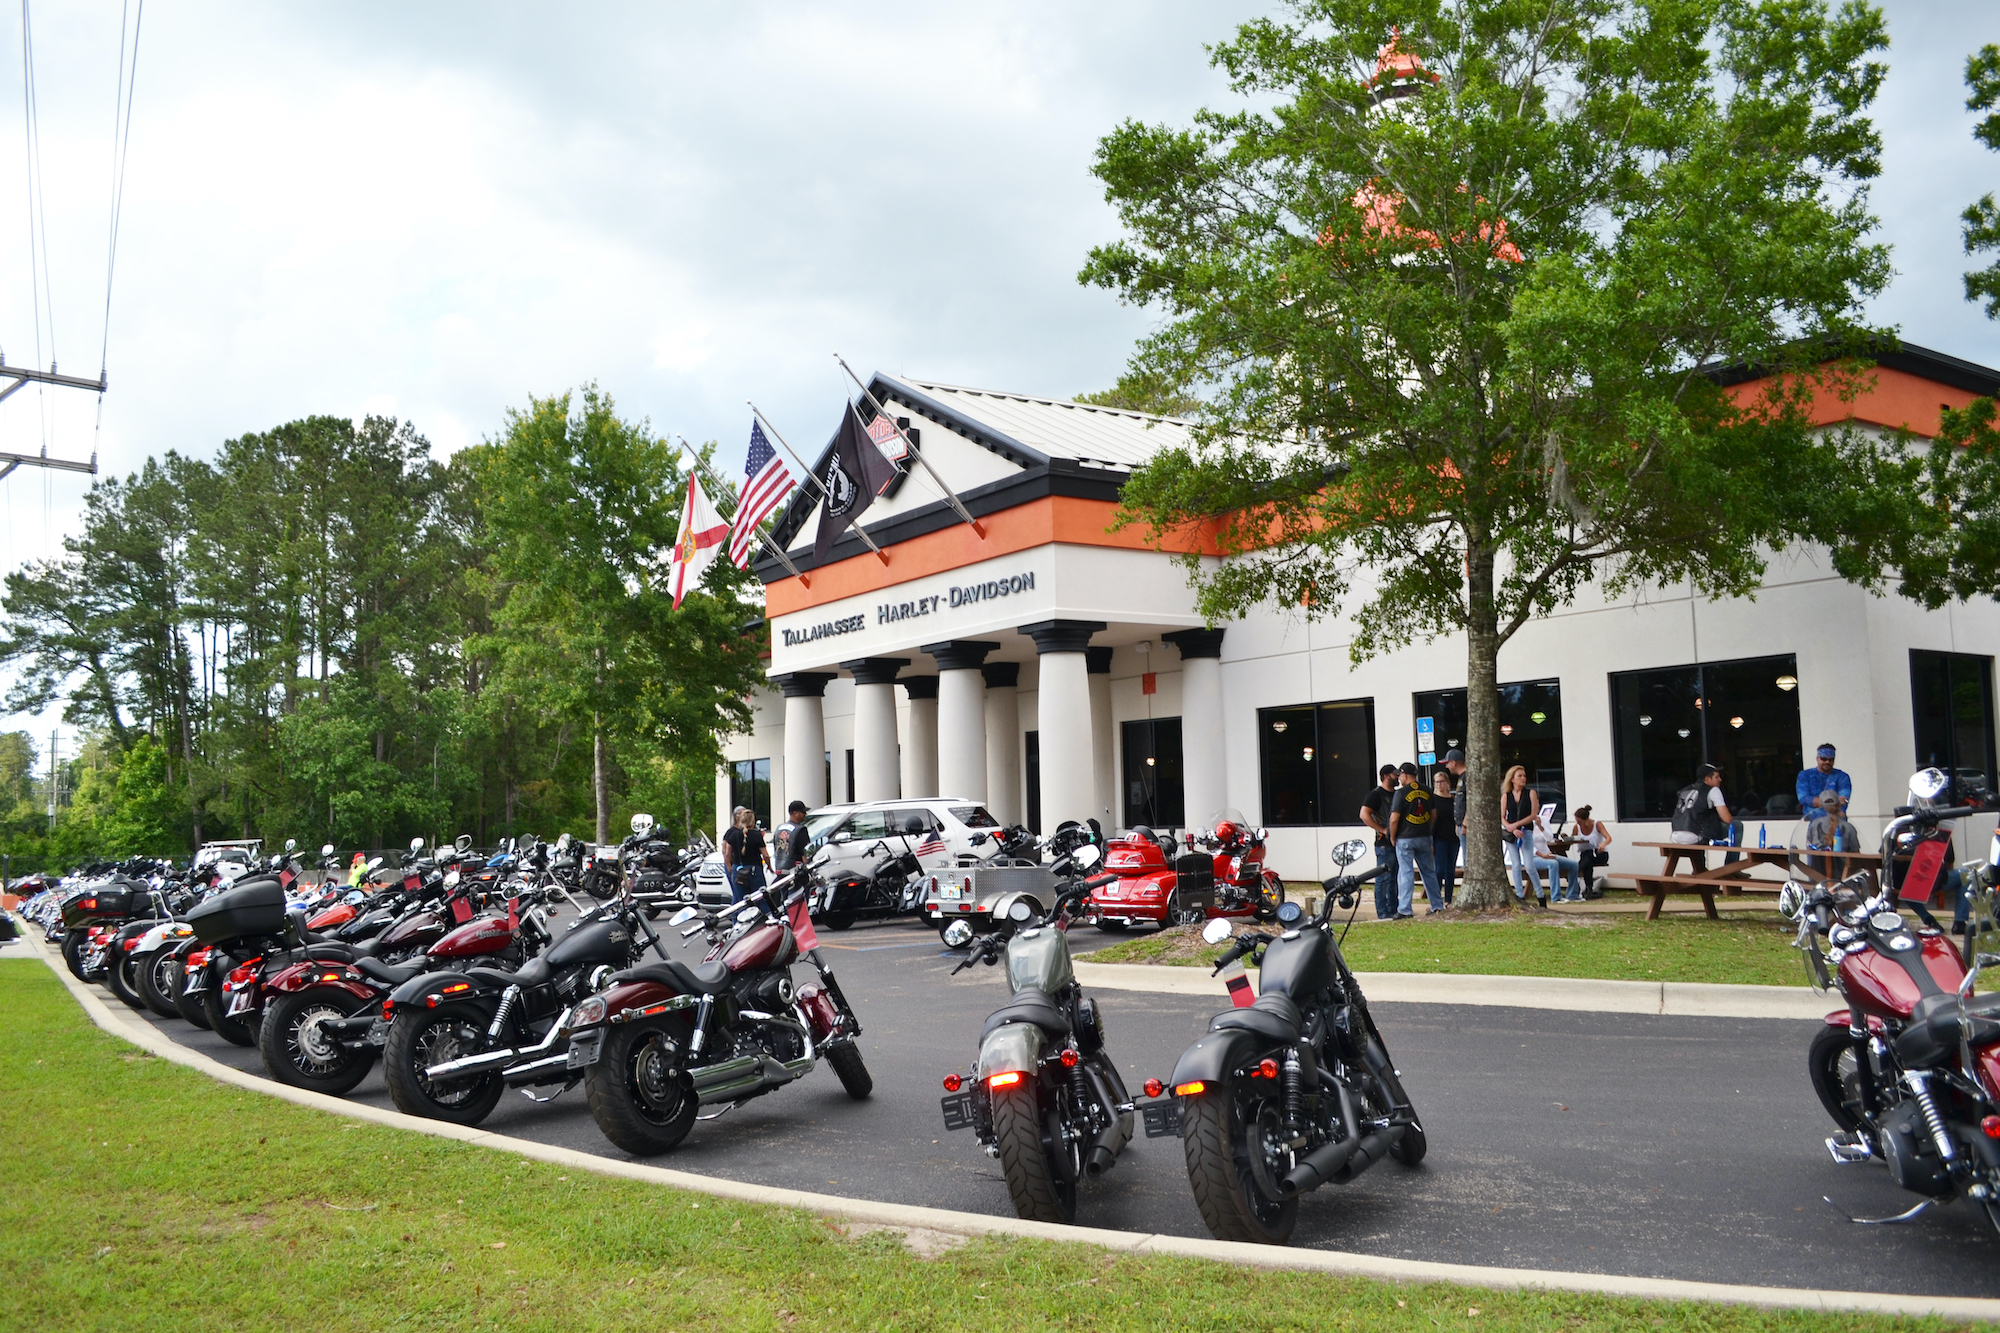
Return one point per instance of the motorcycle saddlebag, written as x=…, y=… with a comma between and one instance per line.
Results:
x=253, y=908
x=104, y=900
x=1194, y=874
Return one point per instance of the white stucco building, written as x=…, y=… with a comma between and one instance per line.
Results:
x=1053, y=668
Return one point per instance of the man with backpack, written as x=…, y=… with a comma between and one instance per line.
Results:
x=1701, y=815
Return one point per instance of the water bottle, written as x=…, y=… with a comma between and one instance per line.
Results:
x=1760, y=835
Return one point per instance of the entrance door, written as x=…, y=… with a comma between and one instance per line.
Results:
x=1153, y=796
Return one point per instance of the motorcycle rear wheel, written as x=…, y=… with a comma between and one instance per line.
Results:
x=640, y=1093
x=72, y=952
x=1226, y=1193
x=420, y=1039
x=242, y=1032
x=1042, y=1190
x=159, y=972
x=1831, y=1063
x=118, y=979
x=295, y=1053
x=837, y=920
x=188, y=1004
x=849, y=1069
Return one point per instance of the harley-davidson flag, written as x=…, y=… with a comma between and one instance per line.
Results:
x=1238, y=981
x=699, y=542
x=855, y=472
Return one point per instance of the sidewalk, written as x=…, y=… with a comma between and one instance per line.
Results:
x=1685, y=999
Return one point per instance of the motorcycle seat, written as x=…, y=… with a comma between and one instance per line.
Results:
x=1931, y=1036
x=1272, y=1016
x=707, y=978
x=391, y=974
x=1028, y=1006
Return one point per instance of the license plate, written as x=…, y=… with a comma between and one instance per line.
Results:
x=957, y=1110
x=1163, y=1118
x=950, y=891
x=583, y=1050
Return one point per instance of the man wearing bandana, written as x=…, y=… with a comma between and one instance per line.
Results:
x=1824, y=777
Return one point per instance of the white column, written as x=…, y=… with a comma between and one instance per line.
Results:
x=805, y=739
x=1003, y=741
x=961, y=718
x=1069, y=764
x=1102, y=736
x=920, y=738
x=1205, y=779
x=876, y=763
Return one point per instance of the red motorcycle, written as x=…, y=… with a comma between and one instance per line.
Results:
x=1220, y=874
x=1909, y=1069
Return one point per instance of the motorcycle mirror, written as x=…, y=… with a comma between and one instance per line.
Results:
x=562, y=843
x=1290, y=914
x=1218, y=930
x=1929, y=784
x=356, y=897
x=958, y=934
x=326, y=850
x=642, y=825
x=375, y=864
x=1347, y=853
x=416, y=844
x=1086, y=857
x=1021, y=911
x=682, y=917
x=1791, y=901
x=291, y=844
x=463, y=842
x=451, y=879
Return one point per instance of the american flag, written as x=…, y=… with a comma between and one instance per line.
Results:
x=767, y=481
x=930, y=846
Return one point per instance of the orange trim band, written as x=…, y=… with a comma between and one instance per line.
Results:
x=1892, y=399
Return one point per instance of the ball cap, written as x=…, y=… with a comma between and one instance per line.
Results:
x=1454, y=757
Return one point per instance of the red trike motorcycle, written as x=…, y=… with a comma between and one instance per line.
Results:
x=1220, y=873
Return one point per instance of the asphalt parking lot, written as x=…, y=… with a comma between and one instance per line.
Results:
x=1610, y=1143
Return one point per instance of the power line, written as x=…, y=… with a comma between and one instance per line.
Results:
x=121, y=143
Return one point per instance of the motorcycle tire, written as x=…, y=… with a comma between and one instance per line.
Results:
x=849, y=1069
x=72, y=952
x=239, y=1031
x=1270, y=898
x=418, y=1040
x=118, y=979
x=1179, y=914
x=160, y=974
x=295, y=1052
x=1034, y=1178
x=1226, y=1193
x=640, y=1096
x=188, y=1004
x=1824, y=1063
x=1113, y=927
x=837, y=920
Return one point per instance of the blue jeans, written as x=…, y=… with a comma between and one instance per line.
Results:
x=746, y=880
x=1552, y=866
x=1385, y=883
x=1444, y=853
x=1413, y=855
x=1517, y=862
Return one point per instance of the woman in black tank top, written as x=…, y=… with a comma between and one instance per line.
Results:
x=1519, y=804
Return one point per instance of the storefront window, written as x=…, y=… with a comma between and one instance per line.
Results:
x=1741, y=716
x=750, y=784
x=1153, y=794
x=1032, y=768
x=1531, y=734
x=1951, y=695
x=1318, y=762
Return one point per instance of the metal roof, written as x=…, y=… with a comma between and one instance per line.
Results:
x=1054, y=427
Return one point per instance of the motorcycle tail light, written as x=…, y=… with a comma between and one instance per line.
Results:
x=457, y=986
x=1068, y=1058
x=132, y=943
x=1194, y=1089
x=90, y=904
x=1006, y=1080
x=388, y=1010
x=330, y=976
x=1991, y=1124
x=952, y=1083
x=1154, y=1087
x=238, y=976
x=1266, y=1069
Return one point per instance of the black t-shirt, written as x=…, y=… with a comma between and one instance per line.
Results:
x=1445, y=827
x=1418, y=809
x=787, y=842
x=1379, y=801
x=742, y=852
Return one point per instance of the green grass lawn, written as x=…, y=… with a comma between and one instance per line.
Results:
x=140, y=1195
x=1751, y=948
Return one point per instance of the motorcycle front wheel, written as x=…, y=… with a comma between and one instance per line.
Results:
x=72, y=952
x=1228, y=1193
x=1831, y=1062
x=849, y=1069
x=640, y=1093
x=119, y=980
x=298, y=1052
x=419, y=1039
x=1041, y=1176
x=160, y=973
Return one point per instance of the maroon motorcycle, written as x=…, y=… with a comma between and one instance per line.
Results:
x=664, y=1040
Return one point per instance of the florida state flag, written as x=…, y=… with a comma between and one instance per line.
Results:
x=700, y=541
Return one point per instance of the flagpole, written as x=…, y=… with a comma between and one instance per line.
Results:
x=762, y=536
x=950, y=496
x=818, y=485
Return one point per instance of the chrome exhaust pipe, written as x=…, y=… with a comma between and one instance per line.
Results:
x=488, y=1060
x=536, y=1069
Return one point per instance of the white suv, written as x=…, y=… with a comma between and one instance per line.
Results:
x=856, y=831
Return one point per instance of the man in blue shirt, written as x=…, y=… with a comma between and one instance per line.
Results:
x=1823, y=777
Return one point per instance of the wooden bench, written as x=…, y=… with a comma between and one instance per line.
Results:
x=1731, y=877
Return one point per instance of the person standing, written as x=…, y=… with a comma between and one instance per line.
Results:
x=1701, y=814
x=1520, y=807
x=1820, y=778
x=1412, y=815
x=743, y=855
x=1447, y=829
x=1375, y=814
x=788, y=840
x=1591, y=838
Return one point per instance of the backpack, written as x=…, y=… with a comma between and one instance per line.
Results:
x=1693, y=814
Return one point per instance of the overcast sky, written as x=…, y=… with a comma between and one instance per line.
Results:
x=433, y=211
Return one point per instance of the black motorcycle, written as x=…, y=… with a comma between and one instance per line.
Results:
x=1293, y=1090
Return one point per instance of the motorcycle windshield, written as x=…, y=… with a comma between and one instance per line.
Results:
x=1038, y=960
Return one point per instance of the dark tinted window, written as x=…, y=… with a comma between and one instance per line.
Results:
x=1531, y=734
x=1951, y=697
x=1153, y=793
x=1741, y=716
x=750, y=785
x=973, y=816
x=1317, y=761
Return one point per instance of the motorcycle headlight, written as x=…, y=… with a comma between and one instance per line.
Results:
x=589, y=1013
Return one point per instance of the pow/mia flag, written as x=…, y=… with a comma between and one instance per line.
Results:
x=854, y=474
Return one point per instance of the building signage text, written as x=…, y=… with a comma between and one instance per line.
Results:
x=826, y=629
x=890, y=612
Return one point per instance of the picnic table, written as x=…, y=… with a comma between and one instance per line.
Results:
x=1731, y=878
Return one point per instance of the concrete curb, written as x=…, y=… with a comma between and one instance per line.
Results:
x=1676, y=998
x=1333, y=1262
